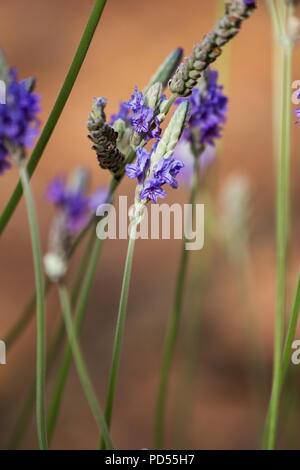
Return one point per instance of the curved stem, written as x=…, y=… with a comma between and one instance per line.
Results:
x=23, y=419
x=172, y=332
x=119, y=332
x=67, y=356
x=80, y=365
x=57, y=109
x=40, y=304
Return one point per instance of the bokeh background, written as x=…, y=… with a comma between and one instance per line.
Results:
x=210, y=403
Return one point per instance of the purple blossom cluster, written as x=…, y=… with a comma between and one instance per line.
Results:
x=75, y=204
x=208, y=109
x=139, y=116
x=19, y=125
x=164, y=172
x=207, y=112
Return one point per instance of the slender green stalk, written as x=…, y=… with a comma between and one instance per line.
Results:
x=288, y=347
x=80, y=365
x=40, y=303
x=119, y=332
x=52, y=354
x=57, y=109
x=67, y=356
x=172, y=333
x=274, y=15
x=282, y=245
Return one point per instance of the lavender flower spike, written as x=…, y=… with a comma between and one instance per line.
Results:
x=18, y=118
x=160, y=168
x=207, y=51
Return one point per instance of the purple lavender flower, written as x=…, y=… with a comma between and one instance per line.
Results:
x=138, y=169
x=207, y=113
x=136, y=102
x=167, y=169
x=208, y=110
x=56, y=191
x=249, y=2
x=153, y=190
x=141, y=120
x=18, y=117
x=139, y=116
x=123, y=113
x=297, y=113
x=75, y=204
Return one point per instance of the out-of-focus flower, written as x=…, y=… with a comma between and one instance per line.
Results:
x=73, y=210
x=208, y=114
x=208, y=110
x=76, y=205
x=184, y=152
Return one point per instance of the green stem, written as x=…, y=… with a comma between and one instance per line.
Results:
x=80, y=365
x=40, y=303
x=57, y=109
x=67, y=356
x=54, y=349
x=287, y=348
x=282, y=247
x=119, y=332
x=172, y=333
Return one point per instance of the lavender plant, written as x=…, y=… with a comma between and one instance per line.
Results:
x=116, y=144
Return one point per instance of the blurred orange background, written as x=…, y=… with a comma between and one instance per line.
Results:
x=210, y=404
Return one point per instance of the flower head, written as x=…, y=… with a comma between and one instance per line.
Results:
x=18, y=117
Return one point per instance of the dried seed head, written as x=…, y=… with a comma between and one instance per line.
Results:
x=207, y=51
x=104, y=138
